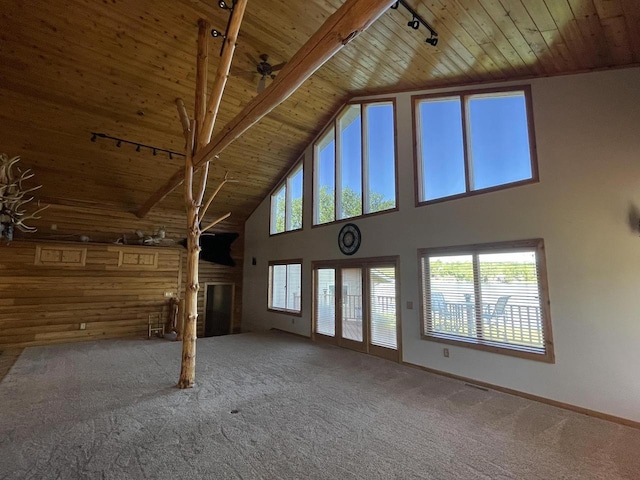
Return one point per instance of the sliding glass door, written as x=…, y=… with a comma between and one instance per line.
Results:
x=383, y=318
x=325, y=302
x=352, y=325
x=355, y=305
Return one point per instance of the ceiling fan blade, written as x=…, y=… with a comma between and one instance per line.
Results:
x=251, y=59
x=261, y=84
x=277, y=67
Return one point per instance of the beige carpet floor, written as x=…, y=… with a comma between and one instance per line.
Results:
x=109, y=410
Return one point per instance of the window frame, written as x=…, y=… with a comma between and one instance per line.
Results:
x=334, y=125
x=475, y=343
x=285, y=182
x=272, y=263
x=464, y=95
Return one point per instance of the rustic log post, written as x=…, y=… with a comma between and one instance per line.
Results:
x=202, y=67
x=189, y=333
x=193, y=200
x=184, y=119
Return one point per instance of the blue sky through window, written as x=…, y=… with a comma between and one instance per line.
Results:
x=381, y=150
x=380, y=145
x=351, y=154
x=442, y=148
x=499, y=140
x=296, y=185
x=498, y=148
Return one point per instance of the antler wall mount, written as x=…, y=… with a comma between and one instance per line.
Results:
x=14, y=198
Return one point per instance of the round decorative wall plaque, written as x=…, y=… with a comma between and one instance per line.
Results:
x=349, y=239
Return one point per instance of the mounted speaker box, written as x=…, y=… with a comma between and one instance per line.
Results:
x=216, y=248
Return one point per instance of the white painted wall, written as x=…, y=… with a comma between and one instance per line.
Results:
x=588, y=136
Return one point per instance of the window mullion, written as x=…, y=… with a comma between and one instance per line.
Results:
x=468, y=164
x=337, y=168
x=427, y=325
x=271, y=287
x=284, y=286
x=287, y=204
x=364, y=158
x=478, y=295
x=315, y=194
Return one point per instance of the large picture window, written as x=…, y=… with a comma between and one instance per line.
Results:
x=286, y=203
x=285, y=285
x=492, y=297
x=473, y=142
x=355, y=163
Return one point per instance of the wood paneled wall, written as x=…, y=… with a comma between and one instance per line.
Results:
x=43, y=304
x=47, y=291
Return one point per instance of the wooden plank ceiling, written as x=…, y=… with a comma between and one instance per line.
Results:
x=70, y=67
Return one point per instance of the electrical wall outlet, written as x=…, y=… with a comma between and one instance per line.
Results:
x=83, y=326
x=409, y=305
x=445, y=352
x=168, y=294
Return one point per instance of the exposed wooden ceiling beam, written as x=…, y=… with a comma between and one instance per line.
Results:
x=352, y=18
x=211, y=112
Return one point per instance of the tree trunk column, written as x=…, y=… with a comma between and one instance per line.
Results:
x=188, y=368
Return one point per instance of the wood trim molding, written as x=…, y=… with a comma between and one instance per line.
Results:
x=60, y=256
x=529, y=396
x=136, y=258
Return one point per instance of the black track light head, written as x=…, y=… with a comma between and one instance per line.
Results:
x=139, y=146
x=215, y=33
x=222, y=4
x=433, y=41
x=415, y=24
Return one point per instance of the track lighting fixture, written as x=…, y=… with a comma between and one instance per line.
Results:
x=416, y=21
x=217, y=33
x=139, y=146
